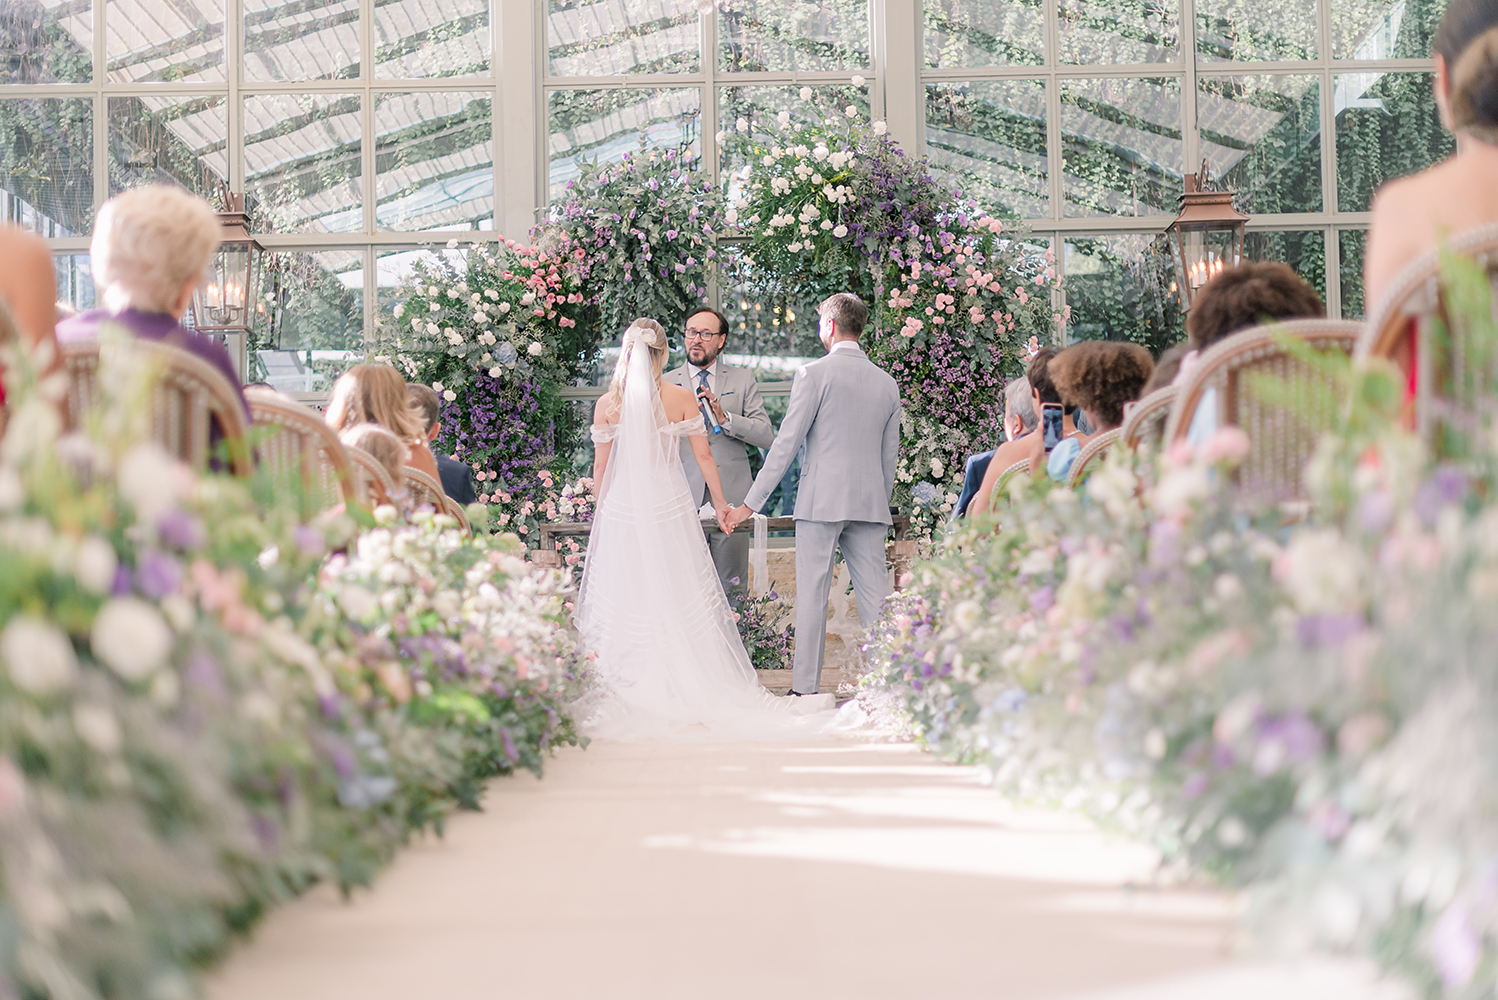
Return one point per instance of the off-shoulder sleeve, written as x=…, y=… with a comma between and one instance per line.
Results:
x=685, y=428
x=604, y=433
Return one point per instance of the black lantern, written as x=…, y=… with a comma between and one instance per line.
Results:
x=1206, y=237
x=230, y=305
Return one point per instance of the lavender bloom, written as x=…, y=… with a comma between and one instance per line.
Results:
x=1316, y=631
x=309, y=541
x=158, y=574
x=181, y=530
x=1043, y=598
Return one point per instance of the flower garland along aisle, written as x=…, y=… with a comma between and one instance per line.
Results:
x=1307, y=711
x=830, y=202
x=203, y=713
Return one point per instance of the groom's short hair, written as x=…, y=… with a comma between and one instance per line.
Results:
x=847, y=311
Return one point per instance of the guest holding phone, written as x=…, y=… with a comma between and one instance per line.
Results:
x=1042, y=391
x=1098, y=377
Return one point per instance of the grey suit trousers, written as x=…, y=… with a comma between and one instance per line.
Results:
x=862, y=543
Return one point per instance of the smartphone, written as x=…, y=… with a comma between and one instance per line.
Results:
x=1050, y=423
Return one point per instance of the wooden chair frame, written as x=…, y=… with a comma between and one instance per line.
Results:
x=1002, y=483
x=1219, y=368
x=187, y=395
x=303, y=441
x=1090, y=452
x=367, y=470
x=1147, y=418
x=426, y=490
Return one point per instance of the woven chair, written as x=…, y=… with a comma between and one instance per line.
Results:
x=1001, y=486
x=1090, y=453
x=294, y=442
x=186, y=397
x=426, y=491
x=1414, y=305
x=372, y=483
x=1145, y=424
x=1281, y=437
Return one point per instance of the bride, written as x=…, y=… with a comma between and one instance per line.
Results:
x=651, y=609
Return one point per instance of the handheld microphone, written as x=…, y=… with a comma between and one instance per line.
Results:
x=712, y=418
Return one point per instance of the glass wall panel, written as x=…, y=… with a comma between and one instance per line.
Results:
x=75, y=280
x=173, y=40
x=1245, y=31
x=988, y=139
x=47, y=164
x=609, y=37
x=1378, y=29
x=292, y=40
x=1303, y=250
x=434, y=161
x=602, y=125
x=1118, y=288
x=1262, y=136
x=393, y=268
x=1351, y=244
x=1121, y=146
x=984, y=33
x=318, y=297
x=302, y=166
x=45, y=42
x=421, y=39
x=767, y=326
x=757, y=36
x=171, y=140
x=1118, y=32
x=762, y=104
x=1387, y=126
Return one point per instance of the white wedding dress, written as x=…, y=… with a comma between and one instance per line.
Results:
x=668, y=660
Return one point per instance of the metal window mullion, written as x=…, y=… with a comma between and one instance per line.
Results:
x=1333, y=269
x=234, y=113
x=496, y=107
x=367, y=115
x=1191, y=147
x=707, y=39
x=541, y=131
x=101, y=105
x=371, y=294
x=1055, y=162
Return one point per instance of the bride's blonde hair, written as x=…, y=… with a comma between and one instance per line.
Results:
x=642, y=333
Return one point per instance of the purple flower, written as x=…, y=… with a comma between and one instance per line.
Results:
x=309, y=541
x=158, y=574
x=1445, y=488
x=1316, y=631
x=202, y=674
x=181, y=530
x=1291, y=738
x=1455, y=947
x=1043, y=598
x=1196, y=782
x=1375, y=511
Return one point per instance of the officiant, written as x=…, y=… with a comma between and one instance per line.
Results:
x=729, y=398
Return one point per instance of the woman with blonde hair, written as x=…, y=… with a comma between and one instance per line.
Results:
x=387, y=449
x=651, y=608
x=377, y=394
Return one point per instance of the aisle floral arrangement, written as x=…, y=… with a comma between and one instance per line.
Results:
x=830, y=202
x=204, y=713
x=1302, y=710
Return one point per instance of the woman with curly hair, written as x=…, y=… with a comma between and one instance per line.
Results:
x=1098, y=377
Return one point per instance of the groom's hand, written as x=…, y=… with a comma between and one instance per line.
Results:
x=739, y=515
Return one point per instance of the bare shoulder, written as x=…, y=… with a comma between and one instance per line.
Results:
x=602, y=411
x=679, y=403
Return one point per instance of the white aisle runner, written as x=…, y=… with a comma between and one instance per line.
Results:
x=766, y=872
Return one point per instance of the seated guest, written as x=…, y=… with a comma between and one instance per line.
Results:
x=1240, y=297
x=1414, y=214
x=151, y=248
x=377, y=394
x=1042, y=390
x=1019, y=419
x=1098, y=377
x=27, y=284
x=387, y=449
x=1167, y=367
x=457, y=477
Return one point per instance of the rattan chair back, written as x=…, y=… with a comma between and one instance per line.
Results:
x=1448, y=381
x=1088, y=457
x=294, y=443
x=1001, y=485
x=1144, y=427
x=187, y=395
x=372, y=482
x=1281, y=436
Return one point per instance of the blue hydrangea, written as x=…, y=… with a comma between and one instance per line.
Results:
x=926, y=494
x=505, y=352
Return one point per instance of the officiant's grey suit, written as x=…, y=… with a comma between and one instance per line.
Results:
x=748, y=427
x=847, y=411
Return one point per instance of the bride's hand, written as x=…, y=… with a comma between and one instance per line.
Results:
x=725, y=518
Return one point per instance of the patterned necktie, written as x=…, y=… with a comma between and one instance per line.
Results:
x=702, y=403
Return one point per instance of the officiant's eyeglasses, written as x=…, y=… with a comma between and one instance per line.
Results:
x=702, y=335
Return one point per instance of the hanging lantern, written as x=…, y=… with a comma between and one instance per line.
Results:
x=1205, y=238
x=230, y=306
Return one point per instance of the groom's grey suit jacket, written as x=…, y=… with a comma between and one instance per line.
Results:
x=847, y=410
x=739, y=395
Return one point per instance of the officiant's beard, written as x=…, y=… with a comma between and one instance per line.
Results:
x=701, y=355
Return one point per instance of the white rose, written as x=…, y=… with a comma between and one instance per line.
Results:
x=358, y=602
x=400, y=309
x=95, y=564
x=39, y=655
x=535, y=349
x=449, y=395
x=851, y=111
x=148, y=479
x=97, y=726
x=495, y=372
x=880, y=128
x=858, y=81
x=504, y=307
x=432, y=330
x=742, y=125
x=784, y=118
x=840, y=230
x=131, y=638
x=805, y=93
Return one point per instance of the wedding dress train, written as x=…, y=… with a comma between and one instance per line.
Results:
x=651, y=612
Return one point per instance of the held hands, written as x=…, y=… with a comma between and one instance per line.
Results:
x=735, y=517
x=725, y=517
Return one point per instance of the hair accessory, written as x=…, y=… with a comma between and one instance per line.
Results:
x=642, y=334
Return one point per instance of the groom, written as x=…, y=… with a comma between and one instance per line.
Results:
x=733, y=396
x=847, y=411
